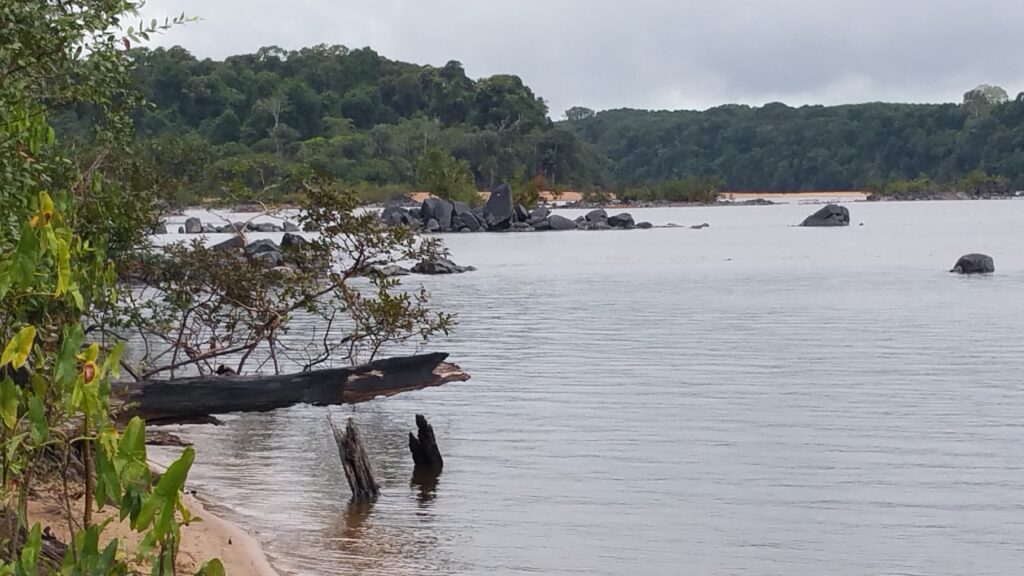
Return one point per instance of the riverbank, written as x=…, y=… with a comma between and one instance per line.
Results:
x=211, y=537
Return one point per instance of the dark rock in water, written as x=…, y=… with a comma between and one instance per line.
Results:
x=261, y=246
x=645, y=225
x=193, y=226
x=464, y=216
x=498, y=211
x=209, y=229
x=268, y=227
x=598, y=226
x=395, y=216
x=974, y=264
x=229, y=245
x=598, y=215
x=624, y=220
x=433, y=226
x=293, y=241
x=542, y=226
x=831, y=215
x=438, y=209
x=291, y=227
x=391, y=270
x=160, y=228
x=556, y=222
x=181, y=229
x=441, y=266
x=226, y=229
x=464, y=230
x=521, y=213
x=700, y=226
x=538, y=215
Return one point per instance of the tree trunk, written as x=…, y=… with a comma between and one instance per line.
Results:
x=355, y=461
x=426, y=456
x=198, y=399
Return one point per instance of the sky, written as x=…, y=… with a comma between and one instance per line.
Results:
x=654, y=54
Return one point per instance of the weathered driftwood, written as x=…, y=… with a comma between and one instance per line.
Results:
x=426, y=456
x=198, y=399
x=355, y=461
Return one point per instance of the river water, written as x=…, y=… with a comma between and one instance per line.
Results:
x=751, y=398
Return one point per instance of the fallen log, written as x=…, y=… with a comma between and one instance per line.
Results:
x=198, y=399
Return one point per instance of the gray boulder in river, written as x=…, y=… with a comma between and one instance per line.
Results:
x=193, y=226
x=499, y=210
x=557, y=222
x=437, y=209
x=440, y=266
x=974, y=264
x=831, y=215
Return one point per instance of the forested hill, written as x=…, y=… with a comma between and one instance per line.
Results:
x=776, y=147
x=258, y=124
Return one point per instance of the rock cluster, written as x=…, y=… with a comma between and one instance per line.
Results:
x=197, y=226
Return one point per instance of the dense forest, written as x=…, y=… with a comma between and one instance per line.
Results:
x=256, y=125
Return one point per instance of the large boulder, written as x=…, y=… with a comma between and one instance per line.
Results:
x=261, y=246
x=557, y=222
x=393, y=216
x=521, y=213
x=293, y=241
x=974, y=264
x=230, y=245
x=438, y=209
x=624, y=220
x=160, y=228
x=831, y=215
x=595, y=216
x=464, y=217
x=432, y=226
x=499, y=210
x=193, y=226
x=209, y=229
x=538, y=215
x=440, y=266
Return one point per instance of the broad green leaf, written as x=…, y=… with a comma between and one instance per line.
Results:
x=112, y=363
x=133, y=441
x=29, y=561
x=108, y=485
x=91, y=353
x=159, y=507
x=37, y=416
x=17, y=350
x=63, y=267
x=25, y=256
x=9, y=402
x=5, y=278
x=211, y=568
x=66, y=368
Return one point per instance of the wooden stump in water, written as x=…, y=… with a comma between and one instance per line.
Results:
x=355, y=461
x=425, y=454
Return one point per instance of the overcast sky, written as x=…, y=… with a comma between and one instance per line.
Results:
x=663, y=54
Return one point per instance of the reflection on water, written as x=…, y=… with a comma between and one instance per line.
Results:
x=750, y=398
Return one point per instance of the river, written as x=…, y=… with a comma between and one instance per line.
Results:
x=751, y=398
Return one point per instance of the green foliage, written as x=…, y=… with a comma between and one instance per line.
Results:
x=444, y=176
x=976, y=184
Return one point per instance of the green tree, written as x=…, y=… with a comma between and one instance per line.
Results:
x=444, y=176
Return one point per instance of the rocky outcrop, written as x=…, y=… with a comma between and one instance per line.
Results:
x=439, y=210
x=974, y=264
x=440, y=266
x=624, y=220
x=831, y=215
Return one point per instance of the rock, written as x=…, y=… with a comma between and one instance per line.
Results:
x=433, y=226
x=268, y=227
x=181, y=229
x=231, y=244
x=395, y=216
x=538, y=215
x=193, y=226
x=556, y=222
x=440, y=266
x=464, y=230
x=261, y=246
x=226, y=229
x=542, y=226
x=391, y=270
x=831, y=215
x=645, y=225
x=439, y=210
x=293, y=241
x=291, y=227
x=267, y=259
x=700, y=226
x=598, y=226
x=498, y=211
x=209, y=229
x=521, y=213
x=598, y=215
x=463, y=215
x=624, y=220
x=974, y=264
x=160, y=228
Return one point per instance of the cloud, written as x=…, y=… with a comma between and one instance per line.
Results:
x=652, y=53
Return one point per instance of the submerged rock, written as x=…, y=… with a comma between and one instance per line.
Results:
x=974, y=264
x=391, y=270
x=831, y=215
x=440, y=266
x=645, y=225
x=700, y=226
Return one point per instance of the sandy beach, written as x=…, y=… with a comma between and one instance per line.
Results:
x=211, y=537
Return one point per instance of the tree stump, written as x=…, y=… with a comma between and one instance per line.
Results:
x=425, y=455
x=355, y=461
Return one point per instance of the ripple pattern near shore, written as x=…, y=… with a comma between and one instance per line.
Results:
x=750, y=398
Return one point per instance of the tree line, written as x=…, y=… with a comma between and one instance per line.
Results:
x=258, y=125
